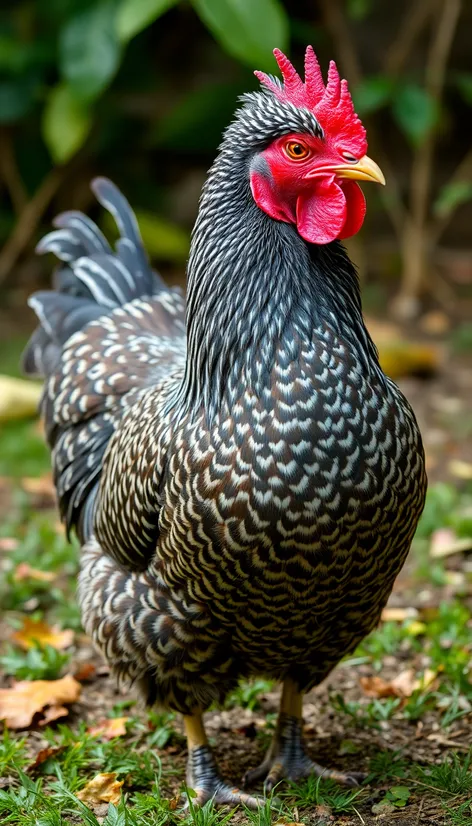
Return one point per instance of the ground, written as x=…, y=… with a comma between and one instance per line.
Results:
x=398, y=709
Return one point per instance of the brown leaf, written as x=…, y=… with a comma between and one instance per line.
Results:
x=25, y=571
x=103, y=788
x=110, y=728
x=377, y=687
x=24, y=699
x=38, y=631
x=403, y=685
x=85, y=672
x=43, y=755
x=52, y=713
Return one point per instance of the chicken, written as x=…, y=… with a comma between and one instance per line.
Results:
x=244, y=479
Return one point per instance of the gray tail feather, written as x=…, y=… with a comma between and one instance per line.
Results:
x=93, y=279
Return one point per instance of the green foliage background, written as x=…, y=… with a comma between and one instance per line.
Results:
x=141, y=90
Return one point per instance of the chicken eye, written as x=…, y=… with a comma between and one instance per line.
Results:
x=296, y=151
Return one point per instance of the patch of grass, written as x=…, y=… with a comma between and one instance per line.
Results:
x=453, y=775
x=461, y=815
x=37, y=663
x=23, y=451
x=365, y=714
x=387, y=765
x=317, y=791
x=388, y=639
x=51, y=552
x=12, y=753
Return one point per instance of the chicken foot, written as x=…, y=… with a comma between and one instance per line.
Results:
x=286, y=757
x=202, y=771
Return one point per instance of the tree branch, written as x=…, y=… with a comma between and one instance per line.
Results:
x=10, y=172
x=414, y=243
x=414, y=19
x=29, y=218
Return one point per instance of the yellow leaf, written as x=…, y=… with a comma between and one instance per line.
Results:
x=25, y=571
x=460, y=469
x=19, y=399
x=109, y=729
x=33, y=631
x=104, y=788
x=398, y=614
x=20, y=703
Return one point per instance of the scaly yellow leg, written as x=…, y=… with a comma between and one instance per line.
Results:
x=195, y=731
x=291, y=701
x=202, y=773
x=286, y=757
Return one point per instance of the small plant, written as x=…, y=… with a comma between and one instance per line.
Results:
x=40, y=662
x=248, y=694
x=398, y=796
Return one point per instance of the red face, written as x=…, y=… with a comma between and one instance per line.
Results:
x=310, y=182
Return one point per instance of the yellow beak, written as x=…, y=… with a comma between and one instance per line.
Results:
x=364, y=170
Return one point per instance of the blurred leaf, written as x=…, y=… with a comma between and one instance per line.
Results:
x=247, y=30
x=415, y=112
x=162, y=239
x=372, y=93
x=358, y=9
x=451, y=196
x=464, y=84
x=89, y=51
x=16, y=98
x=135, y=15
x=19, y=398
x=197, y=121
x=66, y=123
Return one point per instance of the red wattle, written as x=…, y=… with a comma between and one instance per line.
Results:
x=321, y=213
x=262, y=189
x=356, y=208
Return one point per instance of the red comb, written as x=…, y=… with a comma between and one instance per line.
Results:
x=331, y=104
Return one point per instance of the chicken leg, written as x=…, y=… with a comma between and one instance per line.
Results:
x=286, y=757
x=202, y=772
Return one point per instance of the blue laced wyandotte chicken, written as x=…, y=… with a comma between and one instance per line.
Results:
x=244, y=480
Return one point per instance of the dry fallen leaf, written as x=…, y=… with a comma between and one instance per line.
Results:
x=43, y=755
x=18, y=398
x=460, y=469
x=398, y=614
x=104, y=788
x=85, y=672
x=403, y=685
x=38, y=631
x=23, y=700
x=445, y=542
x=25, y=571
x=110, y=728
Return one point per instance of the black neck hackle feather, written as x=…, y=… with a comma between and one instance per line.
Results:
x=253, y=281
